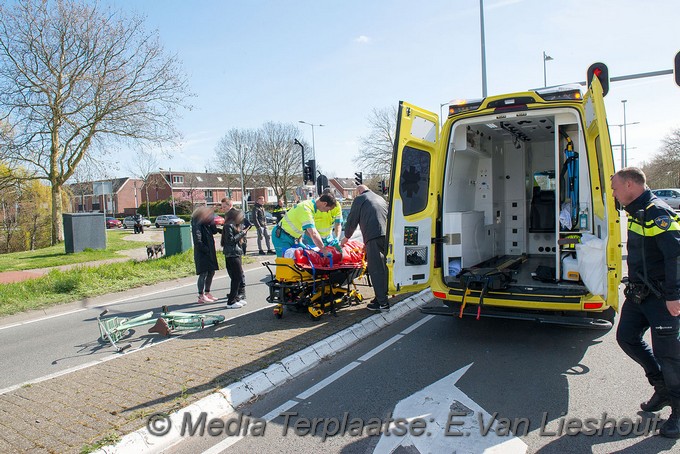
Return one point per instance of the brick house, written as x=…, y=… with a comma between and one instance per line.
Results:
x=344, y=188
x=123, y=201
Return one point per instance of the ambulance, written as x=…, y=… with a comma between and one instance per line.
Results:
x=506, y=210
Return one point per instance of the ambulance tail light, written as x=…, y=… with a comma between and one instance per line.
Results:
x=591, y=306
x=464, y=105
x=440, y=295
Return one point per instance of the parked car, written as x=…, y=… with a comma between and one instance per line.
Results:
x=168, y=219
x=218, y=220
x=129, y=222
x=113, y=223
x=670, y=196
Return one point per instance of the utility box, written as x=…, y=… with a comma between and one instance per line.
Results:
x=177, y=238
x=84, y=231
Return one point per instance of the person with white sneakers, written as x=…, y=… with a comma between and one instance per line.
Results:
x=231, y=246
x=205, y=257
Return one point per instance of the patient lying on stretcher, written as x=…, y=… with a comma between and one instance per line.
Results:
x=351, y=255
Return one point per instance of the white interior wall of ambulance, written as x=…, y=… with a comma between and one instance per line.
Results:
x=493, y=164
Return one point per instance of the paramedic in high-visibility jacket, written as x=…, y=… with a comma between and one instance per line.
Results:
x=652, y=293
x=300, y=220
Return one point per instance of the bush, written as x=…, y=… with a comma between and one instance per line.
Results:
x=165, y=207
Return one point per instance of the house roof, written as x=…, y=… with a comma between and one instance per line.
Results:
x=345, y=183
x=208, y=180
x=86, y=187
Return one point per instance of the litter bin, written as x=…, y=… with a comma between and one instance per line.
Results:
x=84, y=231
x=177, y=238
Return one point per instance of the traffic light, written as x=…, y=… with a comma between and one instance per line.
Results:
x=676, y=69
x=358, y=178
x=321, y=183
x=309, y=171
x=601, y=71
x=383, y=187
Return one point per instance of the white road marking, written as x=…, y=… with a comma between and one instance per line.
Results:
x=113, y=356
x=122, y=300
x=226, y=443
x=434, y=404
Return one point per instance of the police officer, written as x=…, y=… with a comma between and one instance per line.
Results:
x=279, y=211
x=369, y=213
x=652, y=293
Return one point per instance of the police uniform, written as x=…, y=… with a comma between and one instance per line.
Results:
x=653, y=273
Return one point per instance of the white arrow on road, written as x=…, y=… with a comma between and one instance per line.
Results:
x=434, y=404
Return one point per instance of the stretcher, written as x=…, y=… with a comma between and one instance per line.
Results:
x=316, y=284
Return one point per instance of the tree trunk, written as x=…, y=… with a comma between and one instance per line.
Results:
x=146, y=190
x=57, y=210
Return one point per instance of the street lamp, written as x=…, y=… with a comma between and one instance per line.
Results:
x=172, y=191
x=625, y=135
x=483, y=46
x=546, y=58
x=312, y=125
x=624, y=157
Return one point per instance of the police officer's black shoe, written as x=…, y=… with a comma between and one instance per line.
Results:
x=671, y=428
x=658, y=401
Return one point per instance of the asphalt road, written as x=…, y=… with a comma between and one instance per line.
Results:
x=517, y=369
x=59, y=343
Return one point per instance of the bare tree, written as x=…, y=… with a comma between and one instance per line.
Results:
x=237, y=154
x=143, y=164
x=279, y=157
x=75, y=77
x=376, y=149
x=663, y=170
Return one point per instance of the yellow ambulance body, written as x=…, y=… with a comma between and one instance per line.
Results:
x=490, y=190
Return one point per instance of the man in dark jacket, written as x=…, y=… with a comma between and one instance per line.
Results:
x=279, y=211
x=652, y=293
x=260, y=223
x=369, y=212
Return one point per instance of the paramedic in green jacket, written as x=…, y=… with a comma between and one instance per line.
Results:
x=652, y=293
x=300, y=220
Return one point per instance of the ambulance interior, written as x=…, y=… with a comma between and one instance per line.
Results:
x=509, y=198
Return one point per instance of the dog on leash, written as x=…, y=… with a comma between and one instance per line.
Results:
x=154, y=250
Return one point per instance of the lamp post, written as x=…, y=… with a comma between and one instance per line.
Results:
x=625, y=135
x=313, y=145
x=624, y=157
x=172, y=192
x=483, y=46
x=545, y=74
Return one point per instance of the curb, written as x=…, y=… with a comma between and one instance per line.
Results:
x=259, y=383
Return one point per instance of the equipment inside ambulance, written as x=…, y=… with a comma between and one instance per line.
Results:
x=507, y=211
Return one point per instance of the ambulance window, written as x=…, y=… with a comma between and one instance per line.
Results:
x=424, y=129
x=414, y=180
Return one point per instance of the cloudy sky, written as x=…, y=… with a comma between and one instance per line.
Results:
x=332, y=62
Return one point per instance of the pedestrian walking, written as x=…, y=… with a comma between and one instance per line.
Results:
x=205, y=257
x=228, y=205
x=369, y=212
x=652, y=292
x=260, y=222
x=231, y=246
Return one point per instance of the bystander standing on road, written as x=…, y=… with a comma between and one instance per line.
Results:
x=369, y=212
x=231, y=246
x=652, y=292
x=227, y=206
x=205, y=257
x=260, y=222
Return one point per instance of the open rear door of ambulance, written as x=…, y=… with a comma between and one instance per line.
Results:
x=414, y=195
x=601, y=164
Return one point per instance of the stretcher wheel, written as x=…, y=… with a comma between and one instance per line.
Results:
x=278, y=311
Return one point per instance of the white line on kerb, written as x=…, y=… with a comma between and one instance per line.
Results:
x=227, y=442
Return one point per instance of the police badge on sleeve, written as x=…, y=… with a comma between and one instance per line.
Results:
x=663, y=222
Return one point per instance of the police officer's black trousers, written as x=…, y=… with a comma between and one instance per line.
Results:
x=662, y=360
x=377, y=268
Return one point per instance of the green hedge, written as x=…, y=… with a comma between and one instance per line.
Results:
x=182, y=207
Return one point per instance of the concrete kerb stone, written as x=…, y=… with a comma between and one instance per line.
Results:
x=231, y=397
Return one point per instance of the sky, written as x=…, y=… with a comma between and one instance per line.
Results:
x=332, y=62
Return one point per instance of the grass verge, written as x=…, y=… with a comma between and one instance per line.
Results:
x=60, y=287
x=56, y=255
